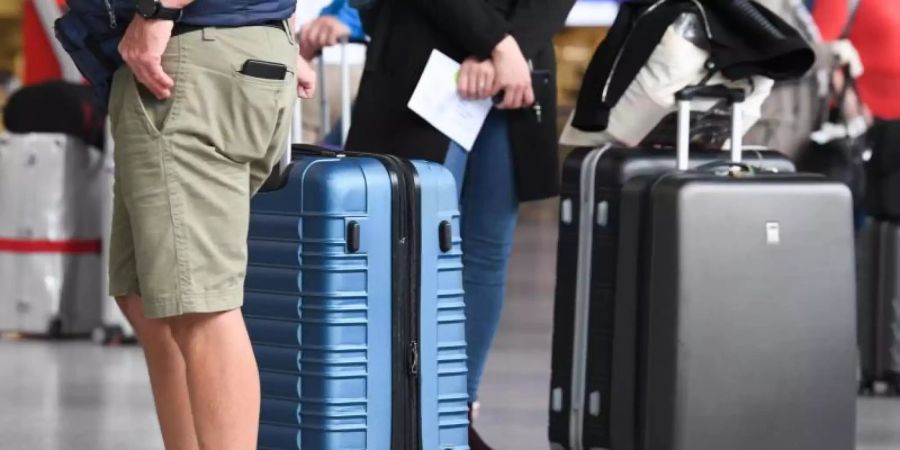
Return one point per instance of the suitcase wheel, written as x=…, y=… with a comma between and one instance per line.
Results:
x=867, y=387
x=893, y=385
x=55, y=329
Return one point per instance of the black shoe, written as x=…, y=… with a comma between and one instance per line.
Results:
x=475, y=441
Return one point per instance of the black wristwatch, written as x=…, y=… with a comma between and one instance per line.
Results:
x=153, y=9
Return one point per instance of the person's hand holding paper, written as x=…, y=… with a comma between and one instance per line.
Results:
x=437, y=100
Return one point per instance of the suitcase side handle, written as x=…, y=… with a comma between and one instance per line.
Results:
x=684, y=97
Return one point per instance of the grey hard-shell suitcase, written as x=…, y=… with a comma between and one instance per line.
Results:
x=879, y=306
x=737, y=294
x=583, y=327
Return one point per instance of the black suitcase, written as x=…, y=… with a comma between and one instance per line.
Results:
x=598, y=338
x=879, y=306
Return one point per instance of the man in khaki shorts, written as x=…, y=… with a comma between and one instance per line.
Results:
x=200, y=115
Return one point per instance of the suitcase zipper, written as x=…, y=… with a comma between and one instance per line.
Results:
x=414, y=237
x=405, y=411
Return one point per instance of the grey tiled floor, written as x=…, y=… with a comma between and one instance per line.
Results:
x=77, y=396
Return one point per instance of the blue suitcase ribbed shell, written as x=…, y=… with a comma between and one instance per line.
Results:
x=319, y=314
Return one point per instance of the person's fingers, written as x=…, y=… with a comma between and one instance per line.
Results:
x=462, y=84
x=322, y=36
x=158, y=74
x=485, y=80
x=528, y=97
x=334, y=35
x=306, y=35
x=489, y=84
x=306, y=80
x=306, y=89
x=495, y=86
x=474, y=81
x=508, y=94
x=513, y=99
x=518, y=97
x=140, y=74
x=155, y=77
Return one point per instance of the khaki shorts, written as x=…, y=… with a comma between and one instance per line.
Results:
x=187, y=166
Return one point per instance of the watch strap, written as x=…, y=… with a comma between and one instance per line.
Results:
x=163, y=13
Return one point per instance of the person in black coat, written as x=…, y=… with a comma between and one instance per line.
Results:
x=514, y=159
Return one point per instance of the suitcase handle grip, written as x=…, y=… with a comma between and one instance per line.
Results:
x=684, y=97
x=733, y=95
x=315, y=150
x=712, y=166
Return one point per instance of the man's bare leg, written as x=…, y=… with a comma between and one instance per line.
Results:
x=168, y=376
x=222, y=378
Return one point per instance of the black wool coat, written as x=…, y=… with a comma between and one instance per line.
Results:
x=403, y=35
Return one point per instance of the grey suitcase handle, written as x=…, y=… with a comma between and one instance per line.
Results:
x=684, y=97
x=324, y=107
x=296, y=135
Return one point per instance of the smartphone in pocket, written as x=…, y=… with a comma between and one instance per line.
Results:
x=264, y=70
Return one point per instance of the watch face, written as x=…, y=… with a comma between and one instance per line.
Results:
x=147, y=8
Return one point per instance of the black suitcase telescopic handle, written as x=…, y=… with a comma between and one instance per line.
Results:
x=684, y=97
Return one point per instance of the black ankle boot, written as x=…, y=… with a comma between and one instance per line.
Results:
x=475, y=441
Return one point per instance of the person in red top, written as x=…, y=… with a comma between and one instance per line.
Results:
x=875, y=32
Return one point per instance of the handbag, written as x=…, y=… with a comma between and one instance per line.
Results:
x=638, y=116
x=838, y=149
x=657, y=47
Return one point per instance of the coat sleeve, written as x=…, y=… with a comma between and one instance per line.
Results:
x=534, y=22
x=348, y=15
x=472, y=24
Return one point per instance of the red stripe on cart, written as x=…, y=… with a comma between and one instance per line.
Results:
x=71, y=246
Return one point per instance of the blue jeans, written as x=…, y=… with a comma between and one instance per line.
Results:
x=489, y=208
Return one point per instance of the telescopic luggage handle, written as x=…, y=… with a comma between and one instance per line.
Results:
x=325, y=108
x=296, y=136
x=684, y=97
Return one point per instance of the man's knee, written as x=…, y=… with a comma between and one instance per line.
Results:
x=191, y=330
x=150, y=332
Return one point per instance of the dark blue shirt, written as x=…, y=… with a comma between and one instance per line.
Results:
x=230, y=13
x=222, y=13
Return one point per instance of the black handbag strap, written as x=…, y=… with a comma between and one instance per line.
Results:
x=853, y=10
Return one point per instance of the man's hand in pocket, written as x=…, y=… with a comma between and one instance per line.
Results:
x=142, y=48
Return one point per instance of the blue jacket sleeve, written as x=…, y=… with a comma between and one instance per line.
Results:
x=346, y=14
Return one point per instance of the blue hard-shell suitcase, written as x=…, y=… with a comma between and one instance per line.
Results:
x=354, y=305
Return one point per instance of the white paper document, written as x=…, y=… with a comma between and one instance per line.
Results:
x=437, y=100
